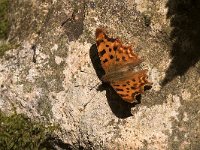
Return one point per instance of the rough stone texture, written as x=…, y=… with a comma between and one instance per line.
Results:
x=53, y=74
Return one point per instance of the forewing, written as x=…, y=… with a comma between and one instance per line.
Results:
x=112, y=53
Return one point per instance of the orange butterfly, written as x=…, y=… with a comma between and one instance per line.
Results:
x=118, y=62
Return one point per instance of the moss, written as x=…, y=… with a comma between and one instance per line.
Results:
x=5, y=47
x=20, y=132
x=4, y=24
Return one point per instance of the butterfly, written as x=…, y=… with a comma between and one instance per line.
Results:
x=119, y=63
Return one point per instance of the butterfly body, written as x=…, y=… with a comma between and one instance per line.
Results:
x=119, y=63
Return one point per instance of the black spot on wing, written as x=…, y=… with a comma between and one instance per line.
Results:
x=117, y=89
x=115, y=48
x=117, y=59
x=133, y=87
x=105, y=60
x=102, y=52
x=124, y=58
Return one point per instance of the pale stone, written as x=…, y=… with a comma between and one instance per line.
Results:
x=62, y=85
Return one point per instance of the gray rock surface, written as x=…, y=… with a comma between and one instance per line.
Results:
x=53, y=74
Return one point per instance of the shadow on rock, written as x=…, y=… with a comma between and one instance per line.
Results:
x=119, y=107
x=185, y=53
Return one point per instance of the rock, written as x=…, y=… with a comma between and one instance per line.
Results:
x=53, y=74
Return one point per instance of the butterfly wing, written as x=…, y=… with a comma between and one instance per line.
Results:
x=129, y=88
x=116, y=60
x=112, y=53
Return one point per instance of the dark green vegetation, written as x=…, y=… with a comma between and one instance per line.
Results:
x=4, y=25
x=4, y=47
x=20, y=132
